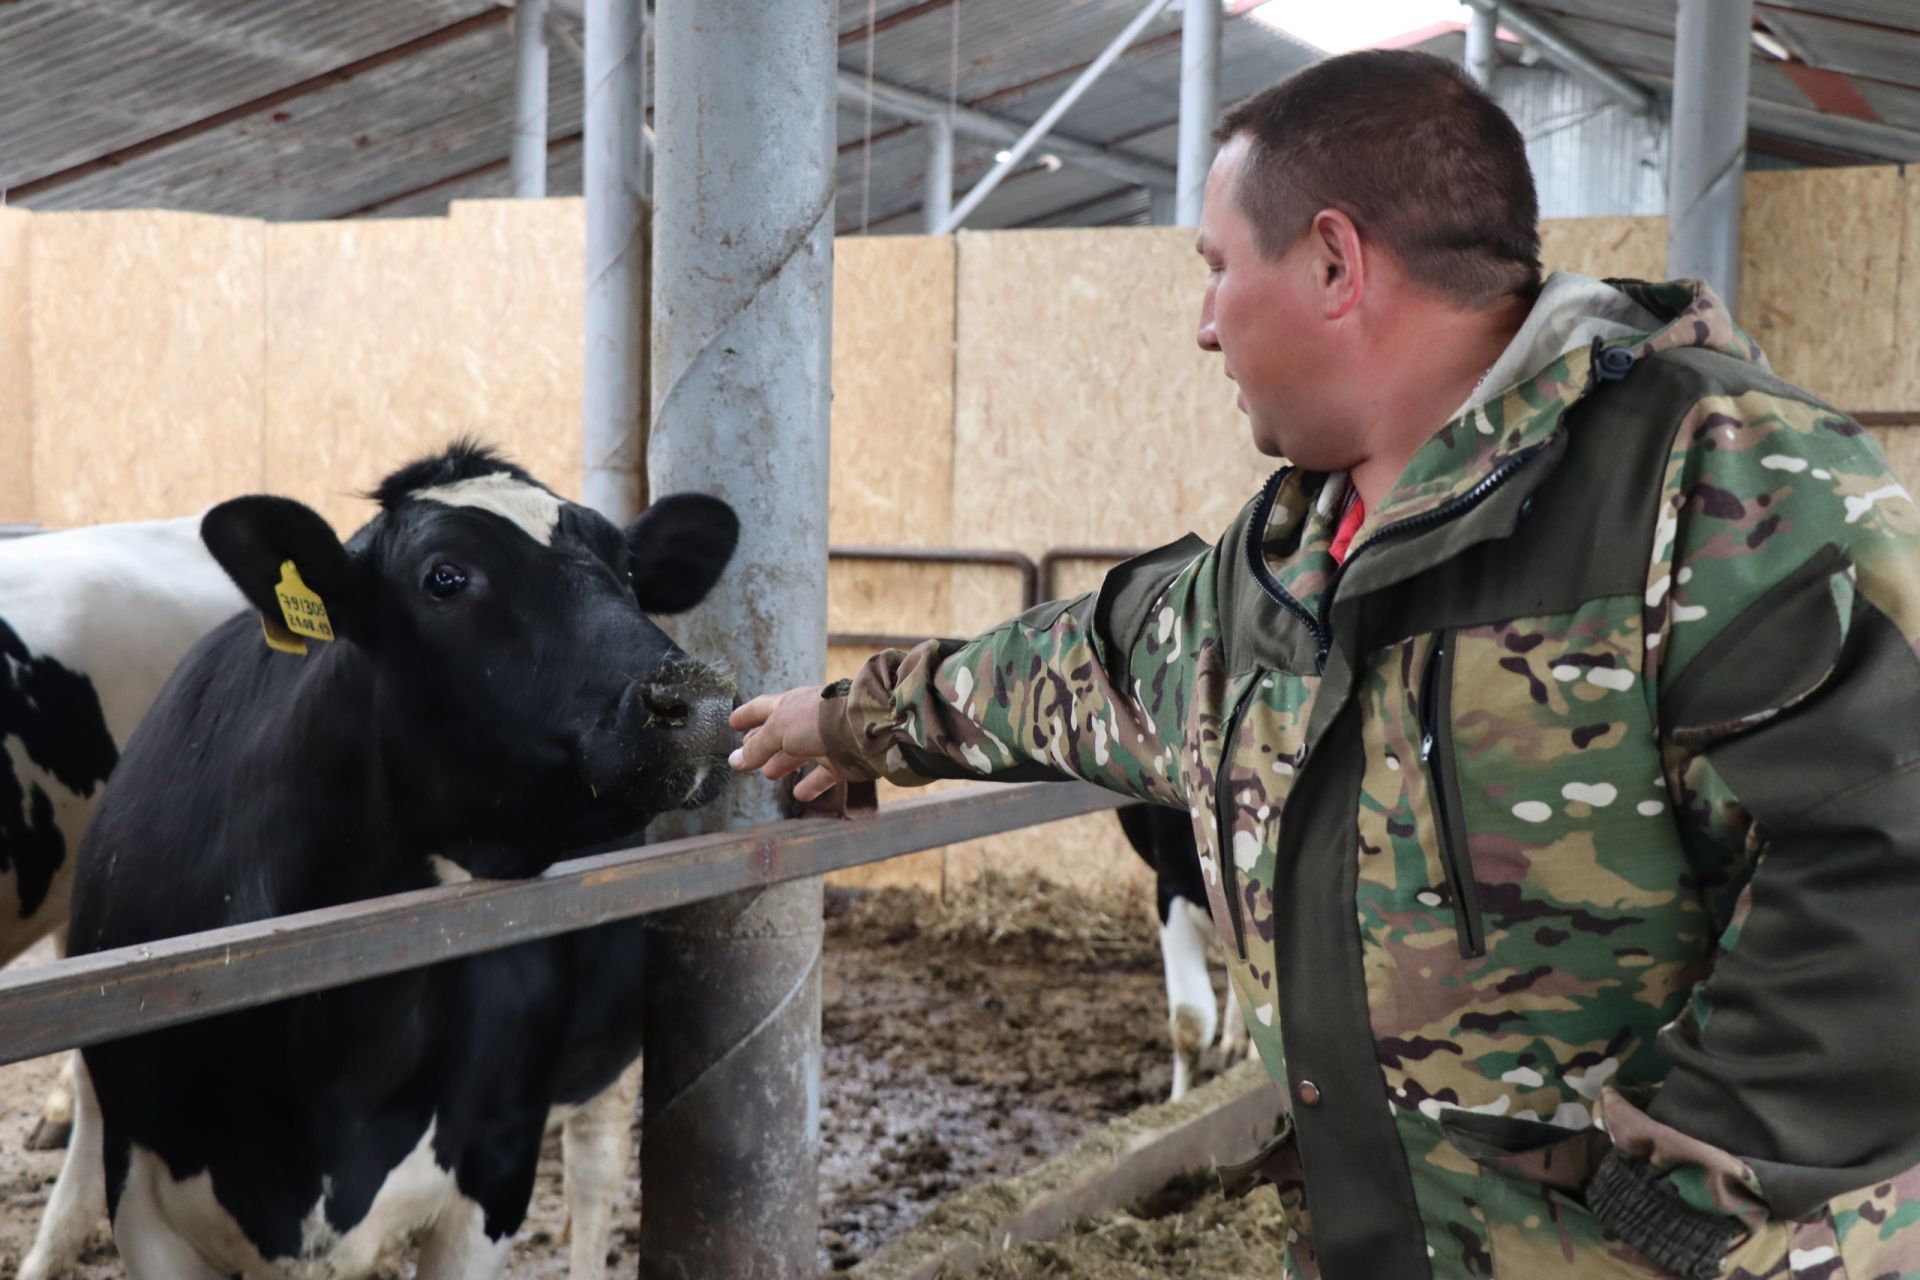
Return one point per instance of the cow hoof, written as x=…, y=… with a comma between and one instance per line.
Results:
x=50, y=1135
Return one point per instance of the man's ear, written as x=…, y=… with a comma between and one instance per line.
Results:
x=255, y=537
x=680, y=545
x=1341, y=261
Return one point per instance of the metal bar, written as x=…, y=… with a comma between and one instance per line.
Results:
x=1569, y=54
x=1029, y=571
x=1708, y=161
x=1482, y=46
x=565, y=142
x=1064, y=103
x=1199, y=104
x=1052, y=559
x=743, y=305
x=529, y=153
x=614, y=396
x=853, y=35
x=91, y=998
x=971, y=122
x=872, y=641
x=1866, y=138
x=938, y=201
x=489, y=17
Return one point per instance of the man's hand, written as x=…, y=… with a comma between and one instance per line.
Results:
x=782, y=734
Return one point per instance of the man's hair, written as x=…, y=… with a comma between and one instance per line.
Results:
x=1413, y=151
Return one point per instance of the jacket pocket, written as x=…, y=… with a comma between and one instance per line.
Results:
x=1529, y=1195
x=1449, y=818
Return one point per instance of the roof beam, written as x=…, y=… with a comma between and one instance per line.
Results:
x=909, y=104
x=1568, y=54
x=1869, y=139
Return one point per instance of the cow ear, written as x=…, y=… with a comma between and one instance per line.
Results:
x=680, y=545
x=256, y=538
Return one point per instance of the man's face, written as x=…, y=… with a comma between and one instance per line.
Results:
x=1262, y=314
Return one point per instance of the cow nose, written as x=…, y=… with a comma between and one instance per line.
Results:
x=667, y=707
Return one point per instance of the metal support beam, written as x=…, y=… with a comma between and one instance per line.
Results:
x=1163, y=208
x=910, y=104
x=1568, y=54
x=1199, y=104
x=1711, y=53
x=938, y=202
x=528, y=160
x=615, y=394
x=1482, y=40
x=1051, y=116
x=743, y=292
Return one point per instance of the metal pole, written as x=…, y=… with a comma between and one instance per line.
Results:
x=615, y=394
x=968, y=122
x=529, y=156
x=743, y=294
x=1082, y=82
x=1710, y=63
x=1163, y=208
x=939, y=198
x=1199, y=103
x=1569, y=55
x=1481, y=55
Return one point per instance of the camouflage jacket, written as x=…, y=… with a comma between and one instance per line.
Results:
x=1562, y=838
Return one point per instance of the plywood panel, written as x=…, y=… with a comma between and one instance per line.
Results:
x=16, y=403
x=892, y=443
x=1820, y=276
x=1906, y=322
x=148, y=363
x=387, y=339
x=1903, y=451
x=1633, y=248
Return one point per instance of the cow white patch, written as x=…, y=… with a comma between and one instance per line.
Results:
x=1650, y=808
x=447, y=871
x=528, y=507
x=1599, y=795
x=1859, y=505
x=1526, y=1076
x=1533, y=811
x=1615, y=678
x=1183, y=957
x=1808, y=1259
x=1783, y=462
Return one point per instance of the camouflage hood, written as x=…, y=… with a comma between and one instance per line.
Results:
x=1560, y=838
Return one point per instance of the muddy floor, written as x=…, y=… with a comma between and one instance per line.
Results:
x=964, y=1040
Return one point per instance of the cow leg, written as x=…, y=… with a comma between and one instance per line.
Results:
x=1192, y=1012
x=56, y=1113
x=79, y=1200
x=1235, y=1043
x=596, y=1144
x=457, y=1247
x=151, y=1247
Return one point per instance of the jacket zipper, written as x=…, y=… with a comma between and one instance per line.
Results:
x=1436, y=750
x=1321, y=628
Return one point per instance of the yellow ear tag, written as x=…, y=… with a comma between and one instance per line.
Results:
x=279, y=639
x=301, y=608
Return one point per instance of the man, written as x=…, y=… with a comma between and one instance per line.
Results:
x=1548, y=728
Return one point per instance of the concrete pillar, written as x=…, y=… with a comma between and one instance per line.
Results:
x=615, y=394
x=743, y=248
x=1709, y=158
x=1482, y=57
x=938, y=203
x=528, y=157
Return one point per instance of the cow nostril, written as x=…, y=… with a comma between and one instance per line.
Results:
x=665, y=707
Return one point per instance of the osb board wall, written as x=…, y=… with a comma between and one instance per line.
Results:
x=147, y=363
x=16, y=424
x=387, y=339
x=1631, y=247
x=1821, y=273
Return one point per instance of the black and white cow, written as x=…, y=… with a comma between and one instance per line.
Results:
x=92, y=621
x=1164, y=840
x=495, y=699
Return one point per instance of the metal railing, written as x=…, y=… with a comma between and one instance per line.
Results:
x=1029, y=582
x=110, y=994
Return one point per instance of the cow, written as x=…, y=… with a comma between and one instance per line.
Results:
x=92, y=622
x=1164, y=840
x=494, y=697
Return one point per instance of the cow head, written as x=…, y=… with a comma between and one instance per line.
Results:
x=493, y=649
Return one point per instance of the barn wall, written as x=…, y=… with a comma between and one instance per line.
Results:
x=1020, y=390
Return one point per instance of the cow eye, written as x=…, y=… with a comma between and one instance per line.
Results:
x=445, y=581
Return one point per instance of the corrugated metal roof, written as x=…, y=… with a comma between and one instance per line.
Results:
x=83, y=79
